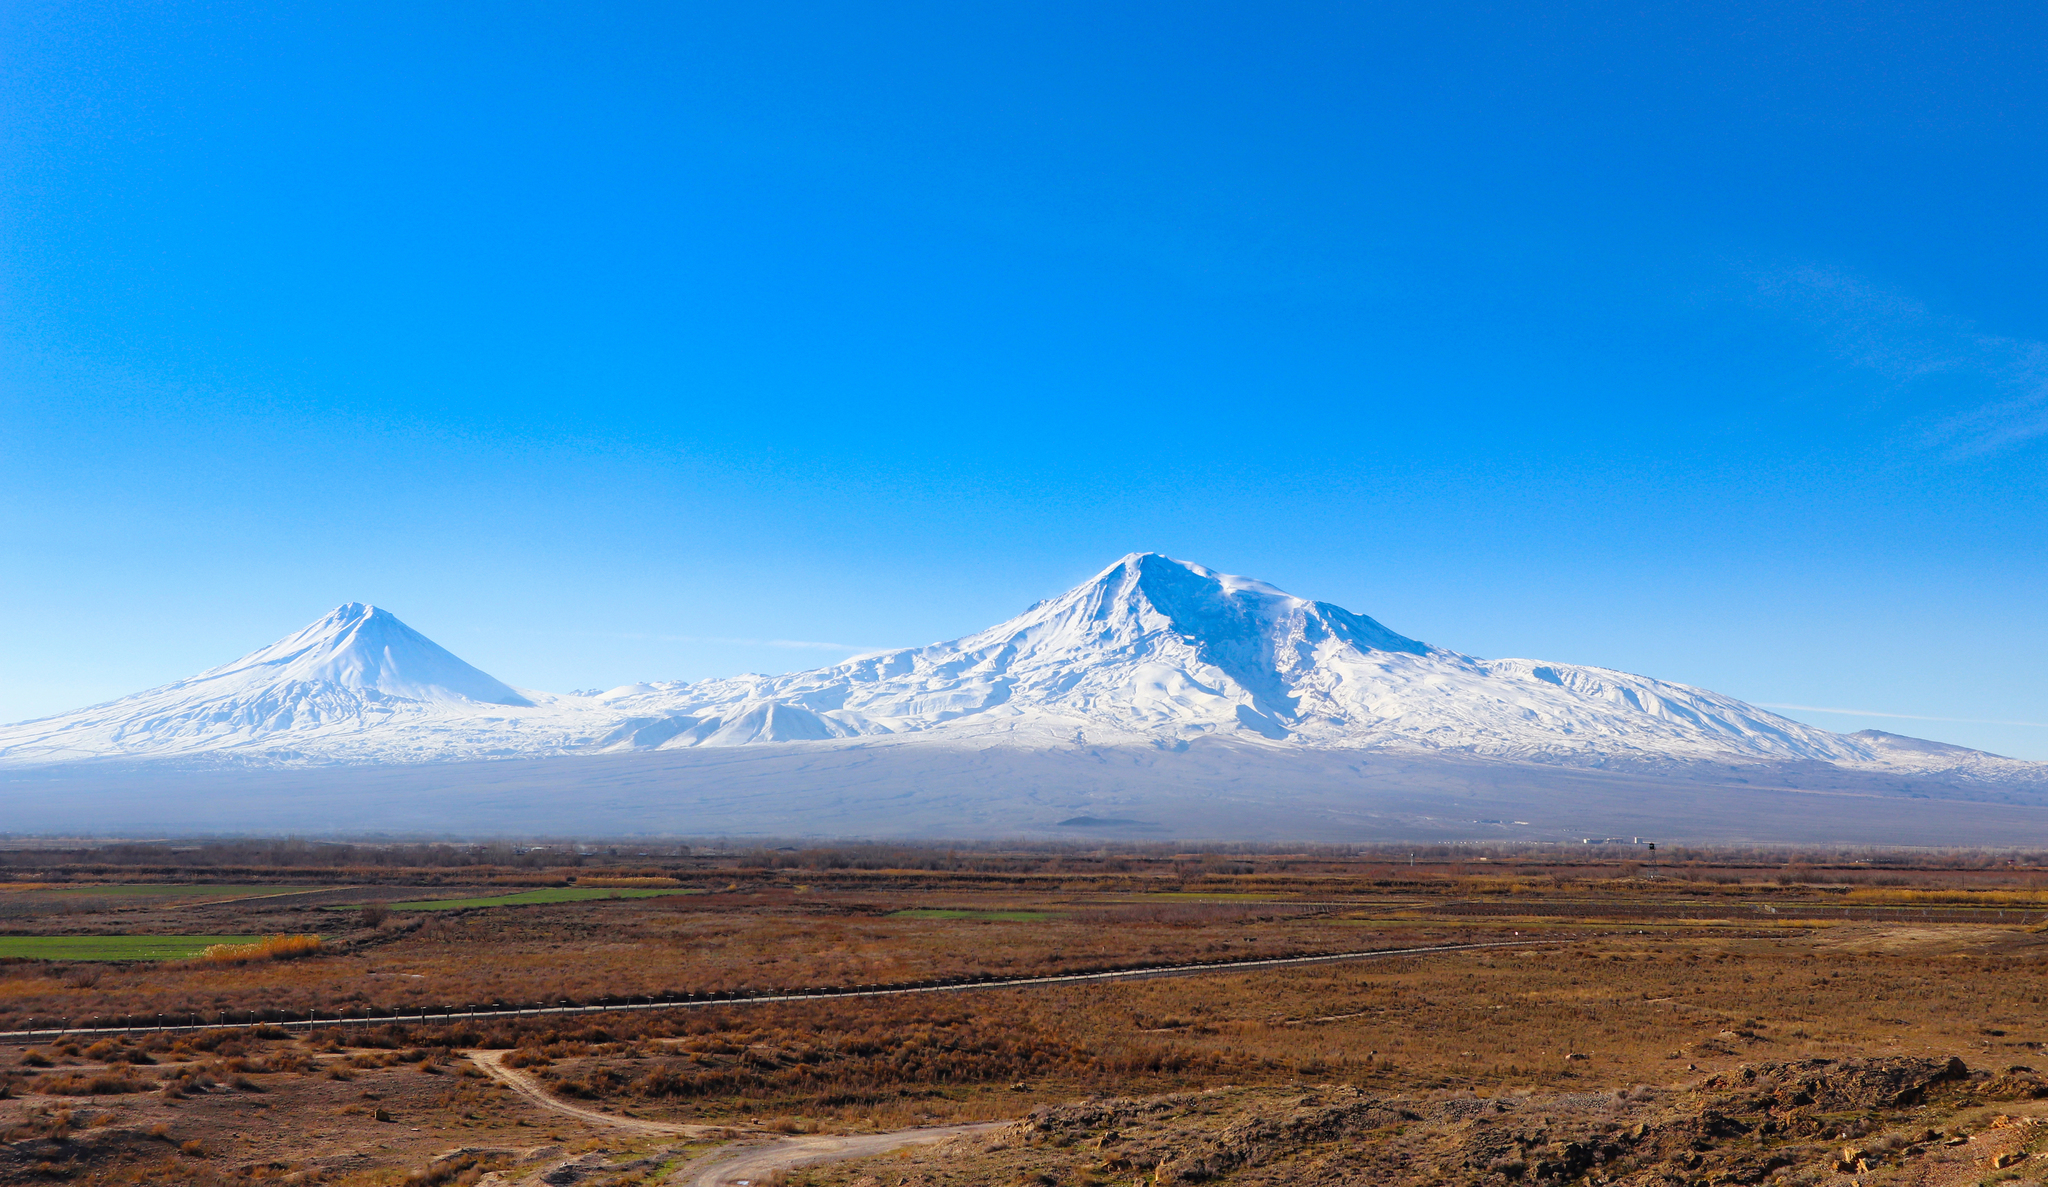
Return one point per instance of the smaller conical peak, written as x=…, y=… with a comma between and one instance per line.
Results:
x=364, y=647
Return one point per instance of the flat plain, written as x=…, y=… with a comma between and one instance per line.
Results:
x=1699, y=1016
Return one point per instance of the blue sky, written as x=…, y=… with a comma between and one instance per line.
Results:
x=606, y=342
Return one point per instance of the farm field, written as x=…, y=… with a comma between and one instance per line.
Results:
x=153, y=890
x=559, y=894
x=64, y=948
x=1613, y=1001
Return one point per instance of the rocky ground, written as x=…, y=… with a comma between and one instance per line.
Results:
x=1880, y=1121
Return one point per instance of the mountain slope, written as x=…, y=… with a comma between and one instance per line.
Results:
x=1151, y=652
x=358, y=670
x=1157, y=648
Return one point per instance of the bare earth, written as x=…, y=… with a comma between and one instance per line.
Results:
x=734, y=1166
x=743, y=1165
x=493, y=1064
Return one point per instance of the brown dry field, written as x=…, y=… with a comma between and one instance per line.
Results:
x=1629, y=999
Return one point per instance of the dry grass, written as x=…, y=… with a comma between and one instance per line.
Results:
x=268, y=948
x=728, y=943
x=1968, y=898
x=1619, y=1010
x=1665, y=980
x=791, y=928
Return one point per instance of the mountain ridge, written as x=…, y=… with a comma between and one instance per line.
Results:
x=1151, y=651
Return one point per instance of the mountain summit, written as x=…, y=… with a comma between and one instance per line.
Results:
x=369, y=652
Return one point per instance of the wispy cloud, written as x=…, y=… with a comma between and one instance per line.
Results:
x=1899, y=716
x=1900, y=338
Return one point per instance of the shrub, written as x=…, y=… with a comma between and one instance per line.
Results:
x=95, y=1084
x=268, y=948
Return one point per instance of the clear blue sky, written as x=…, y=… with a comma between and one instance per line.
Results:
x=606, y=342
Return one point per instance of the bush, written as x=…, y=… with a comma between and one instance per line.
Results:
x=269, y=948
x=95, y=1084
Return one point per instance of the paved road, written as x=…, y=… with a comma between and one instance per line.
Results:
x=738, y=1166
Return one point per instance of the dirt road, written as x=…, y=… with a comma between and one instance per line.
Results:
x=734, y=1165
x=738, y=1166
x=493, y=1063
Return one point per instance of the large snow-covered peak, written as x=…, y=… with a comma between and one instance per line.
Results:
x=1166, y=650
x=363, y=648
x=1236, y=623
x=1241, y=638
x=1218, y=610
x=1148, y=646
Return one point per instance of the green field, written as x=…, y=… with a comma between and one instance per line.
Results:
x=163, y=890
x=113, y=947
x=552, y=894
x=962, y=913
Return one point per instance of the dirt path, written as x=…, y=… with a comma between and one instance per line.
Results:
x=734, y=1165
x=493, y=1063
x=742, y=1165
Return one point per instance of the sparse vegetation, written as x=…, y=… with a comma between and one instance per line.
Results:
x=267, y=948
x=527, y=898
x=1668, y=976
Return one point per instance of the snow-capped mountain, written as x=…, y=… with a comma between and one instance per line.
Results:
x=357, y=673
x=1151, y=651
x=1162, y=649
